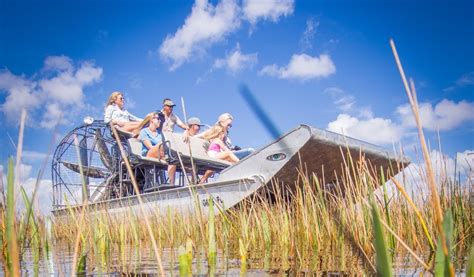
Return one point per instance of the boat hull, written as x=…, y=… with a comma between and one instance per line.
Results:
x=183, y=200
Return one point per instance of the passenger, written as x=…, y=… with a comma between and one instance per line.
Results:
x=194, y=126
x=115, y=112
x=217, y=148
x=170, y=118
x=150, y=137
x=225, y=120
x=168, y=126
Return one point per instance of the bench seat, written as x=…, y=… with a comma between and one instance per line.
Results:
x=136, y=149
x=176, y=148
x=197, y=149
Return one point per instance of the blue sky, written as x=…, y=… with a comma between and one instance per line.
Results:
x=323, y=63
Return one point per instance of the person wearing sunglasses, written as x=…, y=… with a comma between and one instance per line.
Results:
x=225, y=120
x=150, y=137
x=171, y=119
x=116, y=113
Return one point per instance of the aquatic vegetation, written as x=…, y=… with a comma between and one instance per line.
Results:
x=292, y=231
x=313, y=228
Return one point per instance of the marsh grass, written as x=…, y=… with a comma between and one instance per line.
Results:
x=288, y=235
x=279, y=229
x=290, y=232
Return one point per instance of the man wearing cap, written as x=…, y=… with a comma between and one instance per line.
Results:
x=170, y=118
x=168, y=126
x=194, y=125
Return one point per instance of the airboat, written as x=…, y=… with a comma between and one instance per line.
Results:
x=89, y=166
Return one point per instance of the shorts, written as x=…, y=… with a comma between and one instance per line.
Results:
x=212, y=154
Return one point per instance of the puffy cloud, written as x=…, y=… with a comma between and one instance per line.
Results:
x=375, y=130
x=414, y=176
x=53, y=115
x=465, y=161
x=24, y=171
x=67, y=87
x=208, y=24
x=237, y=61
x=44, y=194
x=267, y=9
x=302, y=67
x=61, y=88
x=21, y=94
x=205, y=25
x=444, y=116
x=61, y=63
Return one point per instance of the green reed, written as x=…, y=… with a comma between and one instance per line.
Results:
x=11, y=251
x=280, y=234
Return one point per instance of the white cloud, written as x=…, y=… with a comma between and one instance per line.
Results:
x=208, y=24
x=302, y=67
x=414, y=176
x=60, y=89
x=342, y=100
x=465, y=161
x=53, y=115
x=24, y=172
x=61, y=63
x=237, y=61
x=21, y=94
x=28, y=155
x=444, y=116
x=205, y=25
x=67, y=87
x=347, y=103
x=43, y=202
x=306, y=40
x=465, y=80
x=375, y=130
x=267, y=9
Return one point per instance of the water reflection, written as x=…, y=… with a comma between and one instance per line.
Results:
x=143, y=263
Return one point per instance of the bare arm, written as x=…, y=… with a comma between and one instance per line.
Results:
x=181, y=124
x=147, y=144
x=222, y=145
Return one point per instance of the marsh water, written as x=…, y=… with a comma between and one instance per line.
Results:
x=142, y=262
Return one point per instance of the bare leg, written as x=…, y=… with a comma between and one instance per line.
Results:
x=153, y=152
x=141, y=124
x=171, y=173
x=206, y=175
x=227, y=156
x=130, y=126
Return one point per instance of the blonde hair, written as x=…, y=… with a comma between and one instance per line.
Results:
x=214, y=132
x=146, y=121
x=113, y=97
x=223, y=117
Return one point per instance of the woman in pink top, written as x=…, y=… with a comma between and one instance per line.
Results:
x=217, y=149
